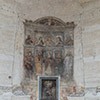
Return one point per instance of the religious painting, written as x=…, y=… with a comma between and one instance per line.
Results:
x=39, y=37
x=69, y=38
x=49, y=61
x=68, y=63
x=49, y=87
x=28, y=62
x=48, y=58
x=50, y=50
x=59, y=41
x=58, y=58
x=59, y=38
x=49, y=39
x=39, y=60
x=28, y=40
x=29, y=36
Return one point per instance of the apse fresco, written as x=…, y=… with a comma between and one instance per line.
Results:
x=48, y=51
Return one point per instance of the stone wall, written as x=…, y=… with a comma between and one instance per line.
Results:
x=86, y=41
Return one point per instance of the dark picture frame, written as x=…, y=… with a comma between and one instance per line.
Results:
x=49, y=87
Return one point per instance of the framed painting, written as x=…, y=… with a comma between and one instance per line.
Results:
x=48, y=88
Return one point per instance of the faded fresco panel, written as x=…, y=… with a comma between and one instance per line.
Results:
x=49, y=49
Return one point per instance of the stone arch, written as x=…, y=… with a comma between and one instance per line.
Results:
x=52, y=19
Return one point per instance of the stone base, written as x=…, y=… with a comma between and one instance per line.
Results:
x=28, y=97
x=13, y=97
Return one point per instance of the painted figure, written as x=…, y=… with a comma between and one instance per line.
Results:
x=48, y=63
x=58, y=63
x=49, y=41
x=49, y=57
x=69, y=41
x=40, y=42
x=29, y=64
x=38, y=63
x=59, y=41
x=59, y=67
x=28, y=40
x=68, y=66
x=49, y=90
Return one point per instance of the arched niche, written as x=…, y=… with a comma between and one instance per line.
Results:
x=48, y=50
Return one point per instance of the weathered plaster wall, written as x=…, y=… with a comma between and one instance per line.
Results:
x=91, y=44
x=10, y=67
x=8, y=26
x=86, y=38
x=91, y=47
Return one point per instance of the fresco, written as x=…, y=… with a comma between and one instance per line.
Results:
x=49, y=90
x=48, y=53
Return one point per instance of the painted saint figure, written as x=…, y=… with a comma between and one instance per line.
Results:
x=59, y=41
x=38, y=63
x=40, y=42
x=68, y=66
x=58, y=63
x=59, y=67
x=28, y=40
x=69, y=41
x=29, y=64
x=49, y=41
x=48, y=62
x=49, y=90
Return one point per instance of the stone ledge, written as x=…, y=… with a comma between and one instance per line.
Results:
x=21, y=97
x=75, y=98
